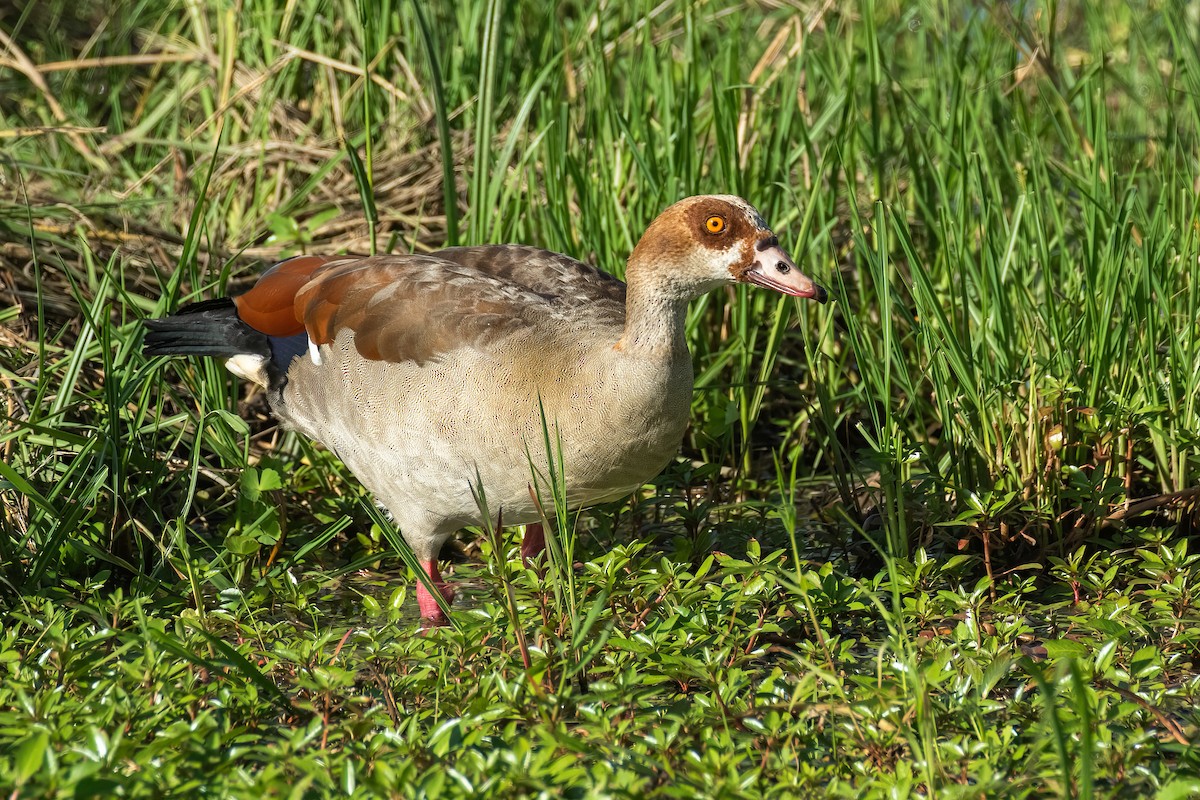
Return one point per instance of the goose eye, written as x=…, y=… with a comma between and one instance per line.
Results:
x=714, y=224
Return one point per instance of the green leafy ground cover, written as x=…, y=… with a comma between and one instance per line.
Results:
x=935, y=539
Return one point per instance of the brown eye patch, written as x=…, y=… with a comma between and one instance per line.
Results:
x=712, y=216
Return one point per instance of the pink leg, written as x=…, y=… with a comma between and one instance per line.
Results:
x=534, y=542
x=431, y=612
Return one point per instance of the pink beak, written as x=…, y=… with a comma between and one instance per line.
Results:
x=774, y=269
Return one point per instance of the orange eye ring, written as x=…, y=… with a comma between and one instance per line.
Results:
x=714, y=224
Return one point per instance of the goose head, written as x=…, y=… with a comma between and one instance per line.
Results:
x=703, y=242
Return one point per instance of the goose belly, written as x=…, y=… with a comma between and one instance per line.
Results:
x=422, y=438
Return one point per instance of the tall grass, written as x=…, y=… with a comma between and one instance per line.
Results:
x=1009, y=243
x=1003, y=214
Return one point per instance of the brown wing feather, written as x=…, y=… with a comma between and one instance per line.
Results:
x=414, y=307
x=543, y=271
x=269, y=307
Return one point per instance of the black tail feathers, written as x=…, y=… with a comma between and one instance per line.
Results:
x=208, y=328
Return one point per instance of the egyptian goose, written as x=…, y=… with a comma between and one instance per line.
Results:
x=428, y=373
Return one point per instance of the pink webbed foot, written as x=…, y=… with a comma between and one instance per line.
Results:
x=431, y=612
x=533, y=544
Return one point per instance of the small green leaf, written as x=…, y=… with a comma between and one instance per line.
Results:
x=249, y=484
x=1182, y=789
x=269, y=480
x=992, y=675
x=1065, y=648
x=241, y=545
x=31, y=755
x=1105, y=656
